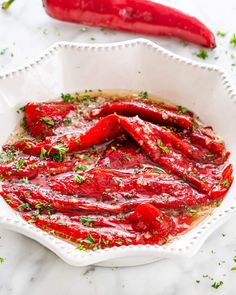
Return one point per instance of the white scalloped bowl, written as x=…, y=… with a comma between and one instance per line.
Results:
x=136, y=65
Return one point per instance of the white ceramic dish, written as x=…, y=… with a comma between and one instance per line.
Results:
x=136, y=65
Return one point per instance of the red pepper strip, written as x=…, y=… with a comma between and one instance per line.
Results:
x=104, y=130
x=13, y=201
x=224, y=185
x=147, y=112
x=146, y=217
x=104, y=184
x=205, y=137
x=62, y=225
x=95, y=220
x=175, y=141
x=34, y=196
x=43, y=118
x=203, y=177
x=124, y=155
x=21, y=168
x=139, y=16
x=31, y=167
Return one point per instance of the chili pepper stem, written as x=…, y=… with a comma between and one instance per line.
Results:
x=7, y=4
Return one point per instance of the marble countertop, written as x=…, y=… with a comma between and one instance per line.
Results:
x=28, y=268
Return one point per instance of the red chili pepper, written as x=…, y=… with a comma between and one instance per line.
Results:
x=139, y=16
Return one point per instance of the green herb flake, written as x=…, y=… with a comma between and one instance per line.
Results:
x=25, y=180
x=233, y=268
x=225, y=182
x=61, y=151
x=43, y=154
x=182, y=110
x=79, y=179
x=67, y=120
x=164, y=116
x=48, y=121
x=216, y=285
x=67, y=97
x=203, y=54
x=19, y=164
x=80, y=167
x=158, y=170
x=2, y=260
x=232, y=40
x=163, y=148
x=3, y=51
x=87, y=221
x=143, y=94
x=81, y=248
x=90, y=239
x=220, y=34
x=23, y=206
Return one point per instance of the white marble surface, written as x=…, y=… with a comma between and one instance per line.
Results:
x=30, y=269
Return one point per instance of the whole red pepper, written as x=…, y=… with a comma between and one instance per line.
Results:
x=140, y=16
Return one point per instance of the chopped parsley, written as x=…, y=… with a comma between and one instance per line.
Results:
x=203, y=54
x=79, y=178
x=90, y=239
x=233, y=268
x=81, y=167
x=164, y=116
x=225, y=182
x=25, y=180
x=216, y=285
x=2, y=260
x=81, y=248
x=182, y=110
x=163, y=148
x=143, y=94
x=87, y=221
x=23, y=206
x=43, y=154
x=61, y=151
x=158, y=170
x=19, y=164
x=67, y=120
x=183, y=180
x=3, y=51
x=232, y=40
x=67, y=97
x=48, y=121
x=220, y=34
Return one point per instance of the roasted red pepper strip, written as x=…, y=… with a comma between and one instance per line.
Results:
x=147, y=112
x=141, y=16
x=124, y=155
x=103, y=183
x=31, y=167
x=203, y=177
x=74, y=231
x=43, y=118
x=35, y=196
x=104, y=130
x=206, y=138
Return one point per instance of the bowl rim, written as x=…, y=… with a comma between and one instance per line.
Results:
x=67, y=251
